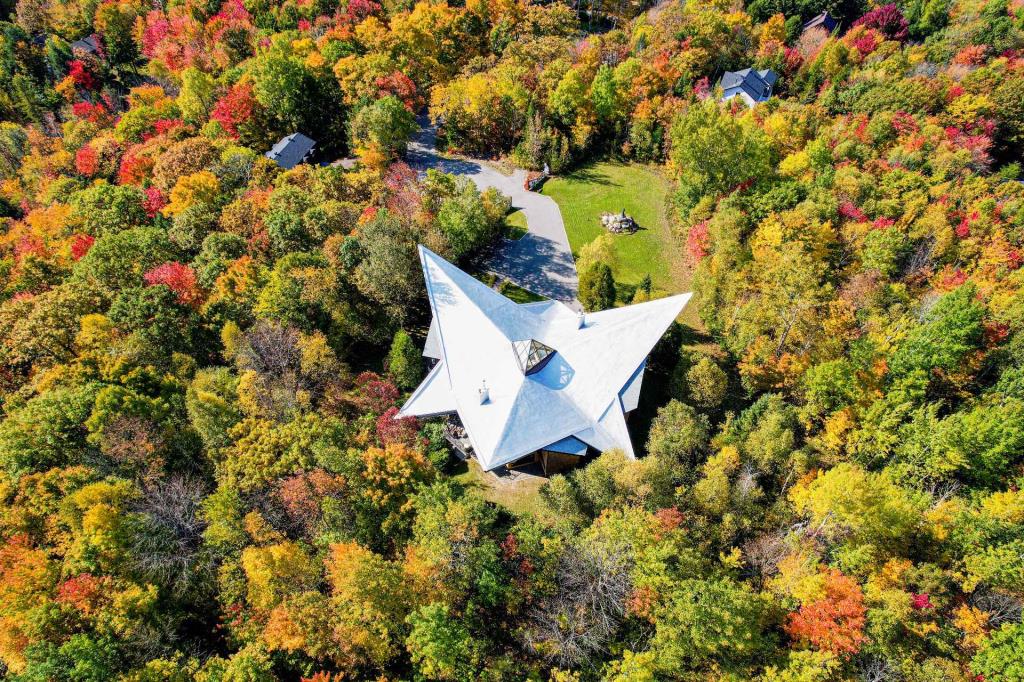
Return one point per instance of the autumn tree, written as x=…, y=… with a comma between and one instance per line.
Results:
x=710, y=620
x=834, y=622
x=385, y=125
x=713, y=152
x=870, y=506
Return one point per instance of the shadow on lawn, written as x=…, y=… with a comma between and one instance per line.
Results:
x=591, y=176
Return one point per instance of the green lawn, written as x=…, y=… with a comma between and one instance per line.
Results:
x=515, y=225
x=518, y=294
x=508, y=289
x=521, y=497
x=607, y=187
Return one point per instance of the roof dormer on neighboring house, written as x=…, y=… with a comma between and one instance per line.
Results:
x=750, y=85
x=292, y=150
x=823, y=20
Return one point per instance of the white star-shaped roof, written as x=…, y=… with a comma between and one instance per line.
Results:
x=583, y=389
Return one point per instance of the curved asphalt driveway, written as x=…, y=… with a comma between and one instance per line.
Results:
x=541, y=261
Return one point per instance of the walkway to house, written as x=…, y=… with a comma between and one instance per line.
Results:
x=541, y=261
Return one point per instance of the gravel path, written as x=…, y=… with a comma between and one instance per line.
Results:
x=541, y=261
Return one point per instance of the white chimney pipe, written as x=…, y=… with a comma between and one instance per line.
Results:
x=485, y=394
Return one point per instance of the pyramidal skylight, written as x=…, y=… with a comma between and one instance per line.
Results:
x=532, y=355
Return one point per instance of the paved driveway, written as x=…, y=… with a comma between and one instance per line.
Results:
x=541, y=261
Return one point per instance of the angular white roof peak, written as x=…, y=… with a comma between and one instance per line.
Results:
x=575, y=391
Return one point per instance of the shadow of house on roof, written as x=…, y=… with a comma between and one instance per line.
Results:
x=292, y=150
x=750, y=85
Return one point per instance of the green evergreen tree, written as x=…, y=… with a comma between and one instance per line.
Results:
x=404, y=362
x=597, y=287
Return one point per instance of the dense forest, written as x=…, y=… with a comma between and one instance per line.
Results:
x=202, y=353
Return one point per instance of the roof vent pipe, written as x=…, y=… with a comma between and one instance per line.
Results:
x=581, y=320
x=485, y=394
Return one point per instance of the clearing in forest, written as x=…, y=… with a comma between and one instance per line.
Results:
x=609, y=187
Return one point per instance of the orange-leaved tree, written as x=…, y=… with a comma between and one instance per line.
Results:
x=833, y=622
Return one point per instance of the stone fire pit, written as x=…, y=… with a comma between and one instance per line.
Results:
x=619, y=223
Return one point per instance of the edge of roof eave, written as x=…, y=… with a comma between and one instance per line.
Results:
x=615, y=401
x=505, y=459
x=419, y=390
x=685, y=297
x=616, y=405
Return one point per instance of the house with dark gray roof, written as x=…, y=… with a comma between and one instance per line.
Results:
x=823, y=20
x=752, y=86
x=292, y=150
x=88, y=45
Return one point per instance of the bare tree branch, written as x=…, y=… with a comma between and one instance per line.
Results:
x=576, y=622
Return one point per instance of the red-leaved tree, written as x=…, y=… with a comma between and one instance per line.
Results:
x=134, y=168
x=698, y=241
x=96, y=113
x=154, y=201
x=234, y=108
x=80, y=245
x=397, y=430
x=87, y=161
x=374, y=394
x=82, y=75
x=179, y=278
x=888, y=20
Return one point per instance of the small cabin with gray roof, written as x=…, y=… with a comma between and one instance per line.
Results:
x=292, y=150
x=88, y=46
x=752, y=86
